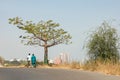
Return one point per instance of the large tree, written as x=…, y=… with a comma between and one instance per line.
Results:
x=44, y=33
x=103, y=44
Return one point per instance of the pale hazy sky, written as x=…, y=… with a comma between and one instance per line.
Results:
x=78, y=17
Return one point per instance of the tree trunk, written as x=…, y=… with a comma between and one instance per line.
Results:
x=45, y=55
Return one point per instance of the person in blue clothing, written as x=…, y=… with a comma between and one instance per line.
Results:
x=33, y=60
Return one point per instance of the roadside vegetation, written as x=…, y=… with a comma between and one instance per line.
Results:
x=108, y=68
x=102, y=47
x=103, y=51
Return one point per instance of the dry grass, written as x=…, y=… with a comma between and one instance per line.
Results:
x=75, y=65
x=107, y=68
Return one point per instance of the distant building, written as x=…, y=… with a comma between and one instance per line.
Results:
x=62, y=58
x=15, y=62
x=15, y=59
x=57, y=60
x=65, y=58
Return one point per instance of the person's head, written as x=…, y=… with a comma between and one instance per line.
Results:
x=32, y=54
x=29, y=54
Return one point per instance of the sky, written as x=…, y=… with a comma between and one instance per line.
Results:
x=77, y=17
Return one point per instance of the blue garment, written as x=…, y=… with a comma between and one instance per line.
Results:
x=33, y=61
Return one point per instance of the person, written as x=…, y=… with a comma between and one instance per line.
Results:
x=28, y=60
x=33, y=61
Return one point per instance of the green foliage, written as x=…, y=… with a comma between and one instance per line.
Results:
x=103, y=44
x=44, y=33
